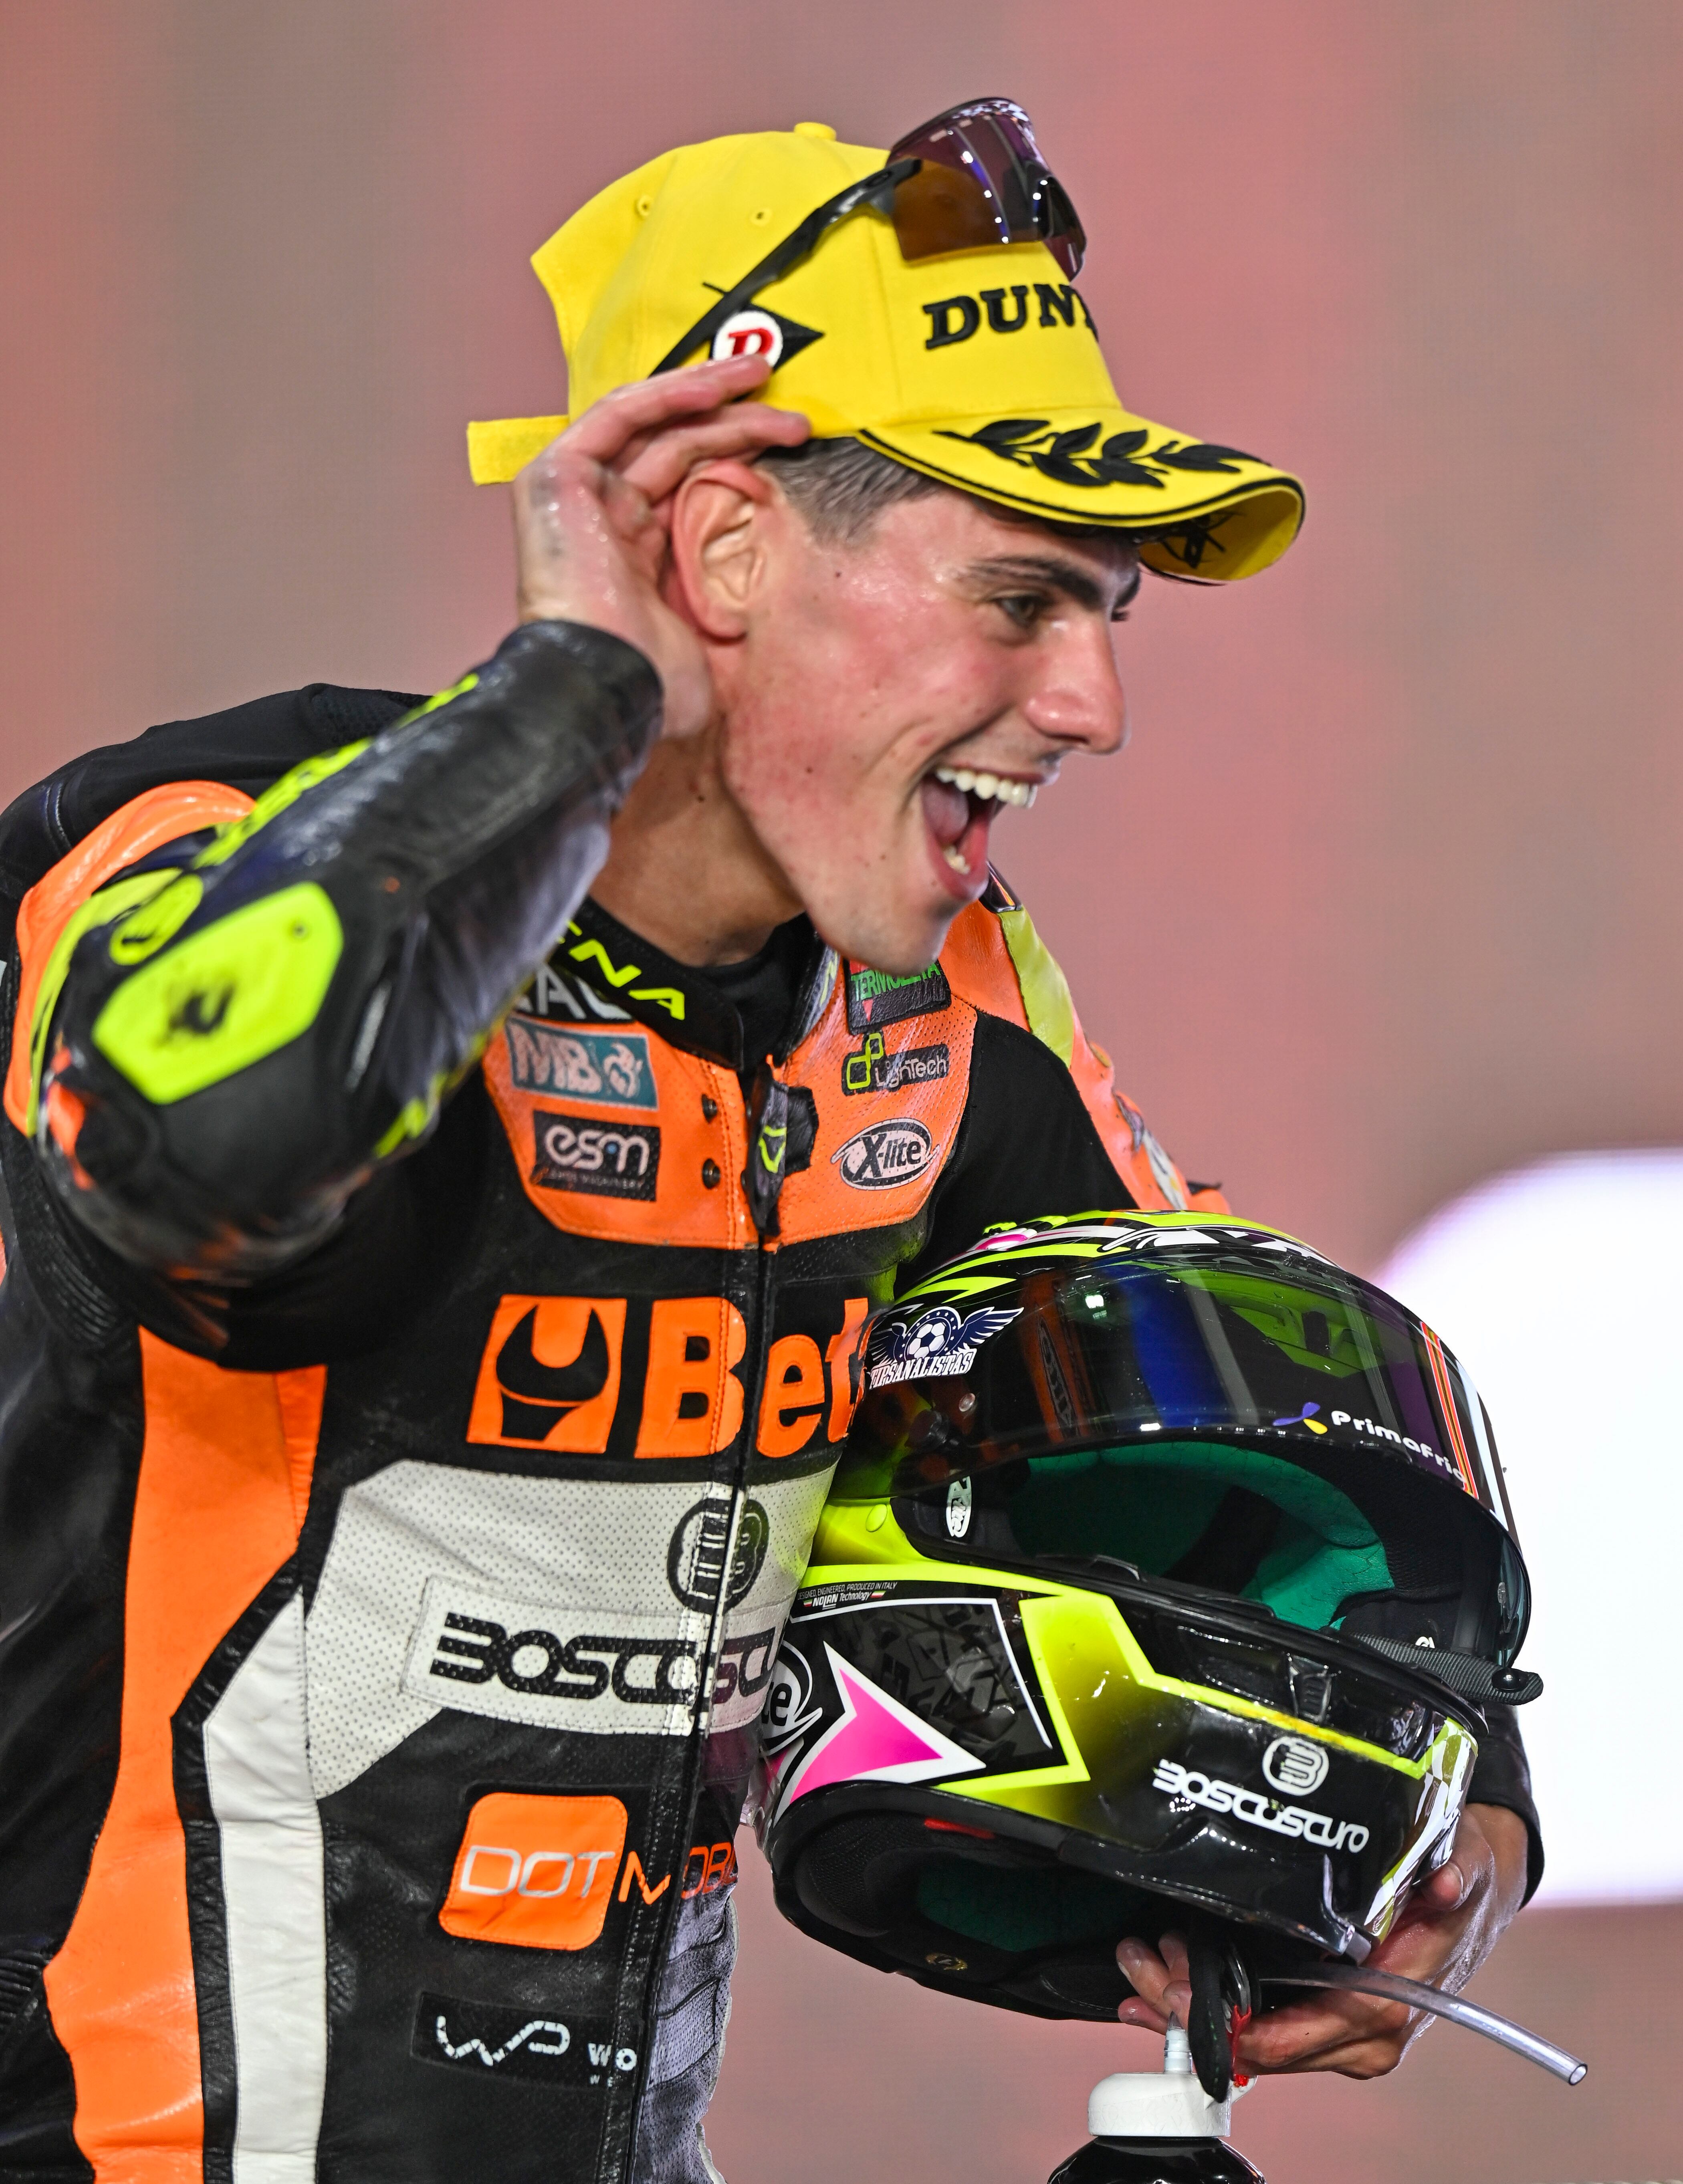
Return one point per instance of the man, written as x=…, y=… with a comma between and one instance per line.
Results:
x=417, y=1412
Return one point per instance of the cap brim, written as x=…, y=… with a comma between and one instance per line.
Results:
x=1199, y=508
x=499, y=448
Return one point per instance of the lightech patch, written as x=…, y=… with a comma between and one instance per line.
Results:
x=872, y=1069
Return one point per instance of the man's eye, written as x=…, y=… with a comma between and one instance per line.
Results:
x=1025, y=609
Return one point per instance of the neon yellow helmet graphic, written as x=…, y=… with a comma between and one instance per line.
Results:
x=1168, y=1574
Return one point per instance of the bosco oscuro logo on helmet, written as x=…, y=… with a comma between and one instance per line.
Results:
x=885, y=1154
x=1295, y=1765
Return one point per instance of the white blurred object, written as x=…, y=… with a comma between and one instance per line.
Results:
x=1559, y=1289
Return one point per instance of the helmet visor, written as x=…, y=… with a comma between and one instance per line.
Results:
x=1293, y=1438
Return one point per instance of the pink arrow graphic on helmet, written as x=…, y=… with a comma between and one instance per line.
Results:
x=876, y=1740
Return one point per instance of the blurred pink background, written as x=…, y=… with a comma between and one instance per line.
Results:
x=1383, y=898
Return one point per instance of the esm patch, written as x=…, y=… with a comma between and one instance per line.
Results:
x=581, y=1152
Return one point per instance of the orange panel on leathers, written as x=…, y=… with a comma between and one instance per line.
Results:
x=223, y=1476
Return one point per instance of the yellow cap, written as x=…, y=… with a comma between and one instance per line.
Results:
x=981, y=368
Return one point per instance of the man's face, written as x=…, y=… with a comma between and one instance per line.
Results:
x=889, y=696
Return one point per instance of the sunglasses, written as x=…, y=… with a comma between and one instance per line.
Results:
x=970, y=177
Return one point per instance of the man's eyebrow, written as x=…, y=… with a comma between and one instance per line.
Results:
x=1071, y=578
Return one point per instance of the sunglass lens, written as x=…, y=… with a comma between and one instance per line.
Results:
x=944, y=208
x=983, y=181
x=1065, y=237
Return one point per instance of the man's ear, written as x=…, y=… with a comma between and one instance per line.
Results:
x=719, y=544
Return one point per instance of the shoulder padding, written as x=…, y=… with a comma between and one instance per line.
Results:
x=247, y=747
x=995, y=960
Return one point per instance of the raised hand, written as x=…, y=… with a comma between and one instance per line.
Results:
x=593, y=512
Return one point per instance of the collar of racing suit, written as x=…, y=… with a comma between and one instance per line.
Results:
x=623, y=975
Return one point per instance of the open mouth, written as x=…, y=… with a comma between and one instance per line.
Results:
x=960, y=803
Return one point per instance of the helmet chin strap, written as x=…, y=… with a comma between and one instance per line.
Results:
x=1391, y=1986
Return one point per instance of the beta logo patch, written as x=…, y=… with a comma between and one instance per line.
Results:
x=875, y=998
x=537, y=1873
x=581, y=1152
x=885, y=1155
x=611, y=1067
x=872, y=1068
x=550, y=1377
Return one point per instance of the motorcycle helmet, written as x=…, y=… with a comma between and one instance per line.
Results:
x=1165, y=1581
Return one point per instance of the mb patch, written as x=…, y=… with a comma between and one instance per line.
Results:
x=611, y=1067
x=876, y=997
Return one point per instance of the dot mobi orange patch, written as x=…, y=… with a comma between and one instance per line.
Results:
x=536, y=1872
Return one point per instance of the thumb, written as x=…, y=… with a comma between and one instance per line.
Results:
x=1447, y=1889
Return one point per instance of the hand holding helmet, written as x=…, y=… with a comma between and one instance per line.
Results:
x=1166, y=1590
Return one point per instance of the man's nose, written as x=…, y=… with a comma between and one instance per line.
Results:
x=1077, y=699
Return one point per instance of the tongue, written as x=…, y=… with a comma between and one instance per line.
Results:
x=946, y=809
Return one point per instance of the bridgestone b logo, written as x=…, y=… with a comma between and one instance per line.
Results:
x=1256, y=1810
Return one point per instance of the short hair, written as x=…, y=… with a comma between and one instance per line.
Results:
x=841, y=487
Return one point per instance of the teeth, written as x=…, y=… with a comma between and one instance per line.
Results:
x=956, y=857
x=990, y=786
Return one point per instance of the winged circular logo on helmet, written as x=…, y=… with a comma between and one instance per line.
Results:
x=935, y=1344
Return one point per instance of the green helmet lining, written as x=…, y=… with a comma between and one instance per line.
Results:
x=1017, y=1908
x=1162, y=1507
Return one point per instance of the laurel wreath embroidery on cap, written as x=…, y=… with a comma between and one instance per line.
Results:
x=1124, y=460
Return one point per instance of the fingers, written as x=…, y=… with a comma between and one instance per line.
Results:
x=1160, y=1979
x=644, y=406
x=1446, y=1890
x=663, y=462
x=1357, y=2035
